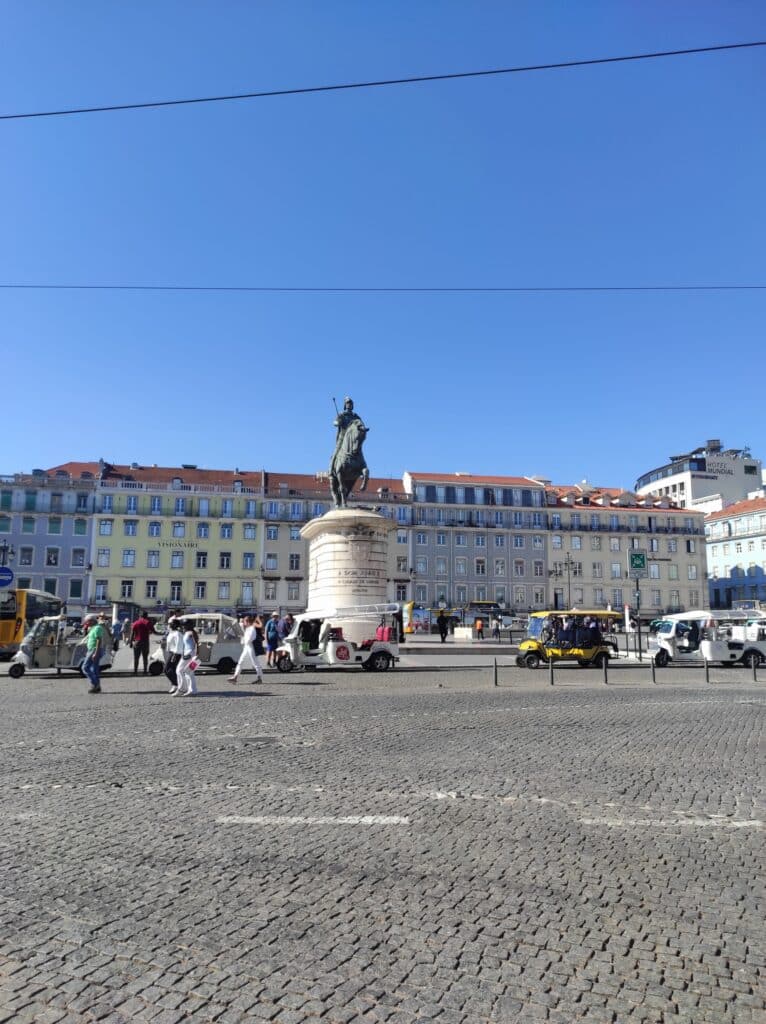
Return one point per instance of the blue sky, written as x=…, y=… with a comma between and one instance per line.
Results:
x=643, y=173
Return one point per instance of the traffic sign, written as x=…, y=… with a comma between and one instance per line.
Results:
x=6, y=576
x=637, y=565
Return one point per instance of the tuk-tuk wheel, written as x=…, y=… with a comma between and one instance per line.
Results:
x=600, y=659
x=519, y=661
x=532, y=661
x=16, y=671
x=379, y=661
x=225, y=666
x=284, y=663
x=661, y=658
x=155, y=669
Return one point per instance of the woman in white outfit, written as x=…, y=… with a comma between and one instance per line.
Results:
x=251, y=642
x=187, y=681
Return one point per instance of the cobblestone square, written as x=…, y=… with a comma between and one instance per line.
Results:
x=404, y=847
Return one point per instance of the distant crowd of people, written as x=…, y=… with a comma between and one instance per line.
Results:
x=181, y=647
x=572, y=631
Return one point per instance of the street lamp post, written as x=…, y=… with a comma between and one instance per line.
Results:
x=568, y=567
x=7, y=552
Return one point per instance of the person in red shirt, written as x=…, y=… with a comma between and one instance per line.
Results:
x=140, y=632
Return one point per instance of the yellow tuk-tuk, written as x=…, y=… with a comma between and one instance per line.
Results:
x=582, y=635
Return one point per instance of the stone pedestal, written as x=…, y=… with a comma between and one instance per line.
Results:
x=348, y=558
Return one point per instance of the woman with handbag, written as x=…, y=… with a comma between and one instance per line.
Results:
x=252, y=648
x=187, y=681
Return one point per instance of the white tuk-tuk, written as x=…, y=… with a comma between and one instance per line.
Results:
x=697, y=636
x=366, y=635
x=53, y=643
x=220, y=642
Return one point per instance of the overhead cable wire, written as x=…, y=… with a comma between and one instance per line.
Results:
x=422, y=289
x=412, y=80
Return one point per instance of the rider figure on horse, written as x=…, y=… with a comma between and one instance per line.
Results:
x=347, y=463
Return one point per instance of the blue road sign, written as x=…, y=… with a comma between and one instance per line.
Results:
x=6, y=576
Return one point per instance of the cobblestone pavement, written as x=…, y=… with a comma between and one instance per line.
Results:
x=401, y=848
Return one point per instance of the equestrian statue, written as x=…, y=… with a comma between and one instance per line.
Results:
x=347, y=464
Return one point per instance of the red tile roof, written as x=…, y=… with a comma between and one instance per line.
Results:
x=739, y=508
x=470, y=478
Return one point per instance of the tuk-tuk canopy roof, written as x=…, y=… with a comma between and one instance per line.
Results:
x=352, y=611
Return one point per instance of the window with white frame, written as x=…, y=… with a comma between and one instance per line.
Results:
x=200, y=590
x=130, y=527
x=576, y=543
x=520, y=596
x=224, y=560
x=556, y=541
x=103, y=557
x=155, y=528
x=224, y=590
x=272, y=533
x=227, y=508
x=480, y=540
x=614, y=543
x=152, y=559
x=227, y=531
x=538, y=569
x=460, y=540
x=480, y=567
x=26, y=556
x=203, y=530
x=270, y=591
x=150, y=590
x=461, y=566
x=672, y=572
x=401, y=536
x=126, y=590
x=179, y=529
x=101, y=590
x=673, y=546
x=441, y=565
x=518, y=540
x=272, y=561
x=461, y=593
x=441, y=539
x=78, y=558
x=294, y=591
x=499, y=540
x=654, y=570
x=421, y=593
x=519, y=567
x=155, y=505
x=295, y=532
x=248, y=531
x=248, y=560
x=595, y=543
x=499, y=567
x=538, y=596
x=105, y=527
x=51, y=557
x=537, y=542
x=480, y=592
x=421, y=564
x=421, y=538
x=176, y=559
x=294, y=562
x=128, y=557
x=200, y=560
x=597, y=570
x=401, y=563
x=616, y=570
x=692, y=572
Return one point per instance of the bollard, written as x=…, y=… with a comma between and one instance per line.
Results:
x=654, y=670
x=495, y=670
x=605, y=666
x=550, y=671
x=707, y=671
x=755, y=669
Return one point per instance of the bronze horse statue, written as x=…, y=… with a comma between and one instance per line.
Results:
x=348, y=463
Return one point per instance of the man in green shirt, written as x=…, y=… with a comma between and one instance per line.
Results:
x=96, y=641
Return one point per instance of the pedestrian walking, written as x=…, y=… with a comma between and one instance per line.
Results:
x=127, y=630
x=173, y=651
x=140, y=632
x=116, y=634
x=96, y=641
x=252, y=648
x=442, y=625
x=272, y=639
x=479, y=626
x=187, y=681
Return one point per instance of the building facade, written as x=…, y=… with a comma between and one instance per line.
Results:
x=736, y=548
x=592, y=532
x=182, y=537
x=706, y=479
x=46, y=526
